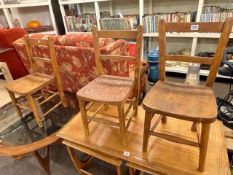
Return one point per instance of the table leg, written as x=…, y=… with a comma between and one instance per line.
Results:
x=131, y=171
x=164, y=119
x=78, y=163
x=44, y=161
x=194, y=127
x=119, y=172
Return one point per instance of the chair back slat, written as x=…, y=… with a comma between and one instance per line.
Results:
x=117, y=34
x=42, y=59
x=190, y=59
x=51, y=59
x=202, y=27
x=34, y=42
x=218, y=27
x=115, y=57
x=114, y=34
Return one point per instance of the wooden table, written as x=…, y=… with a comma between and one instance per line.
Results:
x=163, y=157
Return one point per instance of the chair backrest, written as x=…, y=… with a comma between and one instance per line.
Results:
x=51, y=59
x=202, y=27
x=122, y=34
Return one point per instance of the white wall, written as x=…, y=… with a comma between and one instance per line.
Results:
x=3, y=19
x=33, y=13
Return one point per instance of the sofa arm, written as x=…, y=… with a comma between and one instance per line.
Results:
x=8, y=36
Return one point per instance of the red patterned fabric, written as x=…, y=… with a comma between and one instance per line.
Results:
x=10, y=57
x=7, y=36
x=14, y=63
x=77, y=64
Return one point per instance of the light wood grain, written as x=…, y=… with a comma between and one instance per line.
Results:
x=186, y=102
x=37, y=82
x=163, y=156
x=113, y=90
x=189, y=59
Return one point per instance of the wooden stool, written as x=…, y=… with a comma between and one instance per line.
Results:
x=112, y=90
x=37, y=82
x=186, y=102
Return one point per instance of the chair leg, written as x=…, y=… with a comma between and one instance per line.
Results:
x=34, y=110
x=146, y=134
x=63, y=97
x=14, y=102
x=135, y=107
x=122, y=123
x=203, y=145
x=84, y=116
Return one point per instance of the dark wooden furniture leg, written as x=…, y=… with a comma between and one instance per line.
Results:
x=78, y=163
x=44, y=161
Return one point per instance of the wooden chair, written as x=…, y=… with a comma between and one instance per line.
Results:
x=37, y=82
x=5, y=72
x=112, y=90
x=186, y=102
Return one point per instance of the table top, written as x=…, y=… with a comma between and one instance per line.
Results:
x=22, y=136
x=162, y=156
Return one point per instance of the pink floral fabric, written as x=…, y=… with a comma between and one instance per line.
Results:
x=76, y=60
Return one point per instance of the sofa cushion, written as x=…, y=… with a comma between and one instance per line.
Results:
x=8, y=36
x=81, y=40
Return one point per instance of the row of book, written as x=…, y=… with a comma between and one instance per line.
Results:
x=215, y=14
x=117, y=23
x=85, y=22
x=80, y=24
x=150, y=22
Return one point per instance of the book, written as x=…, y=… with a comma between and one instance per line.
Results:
x=150, y=22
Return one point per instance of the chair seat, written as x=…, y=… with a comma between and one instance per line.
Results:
x=192, y=103
x=29, y=83
x=106, y=88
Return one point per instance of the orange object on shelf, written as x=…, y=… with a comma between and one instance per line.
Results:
x=33, y=24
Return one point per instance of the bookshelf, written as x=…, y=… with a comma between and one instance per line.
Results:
x=24, y=12
x=89, y=6
x=198, y=41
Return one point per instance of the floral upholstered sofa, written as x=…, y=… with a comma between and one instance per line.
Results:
x=76, y=61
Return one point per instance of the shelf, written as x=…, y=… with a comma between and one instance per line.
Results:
x=24, y=5
x=79, y=1
x=183, y=70
x=78, y=32
x=187, y=35
x=45, y=32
